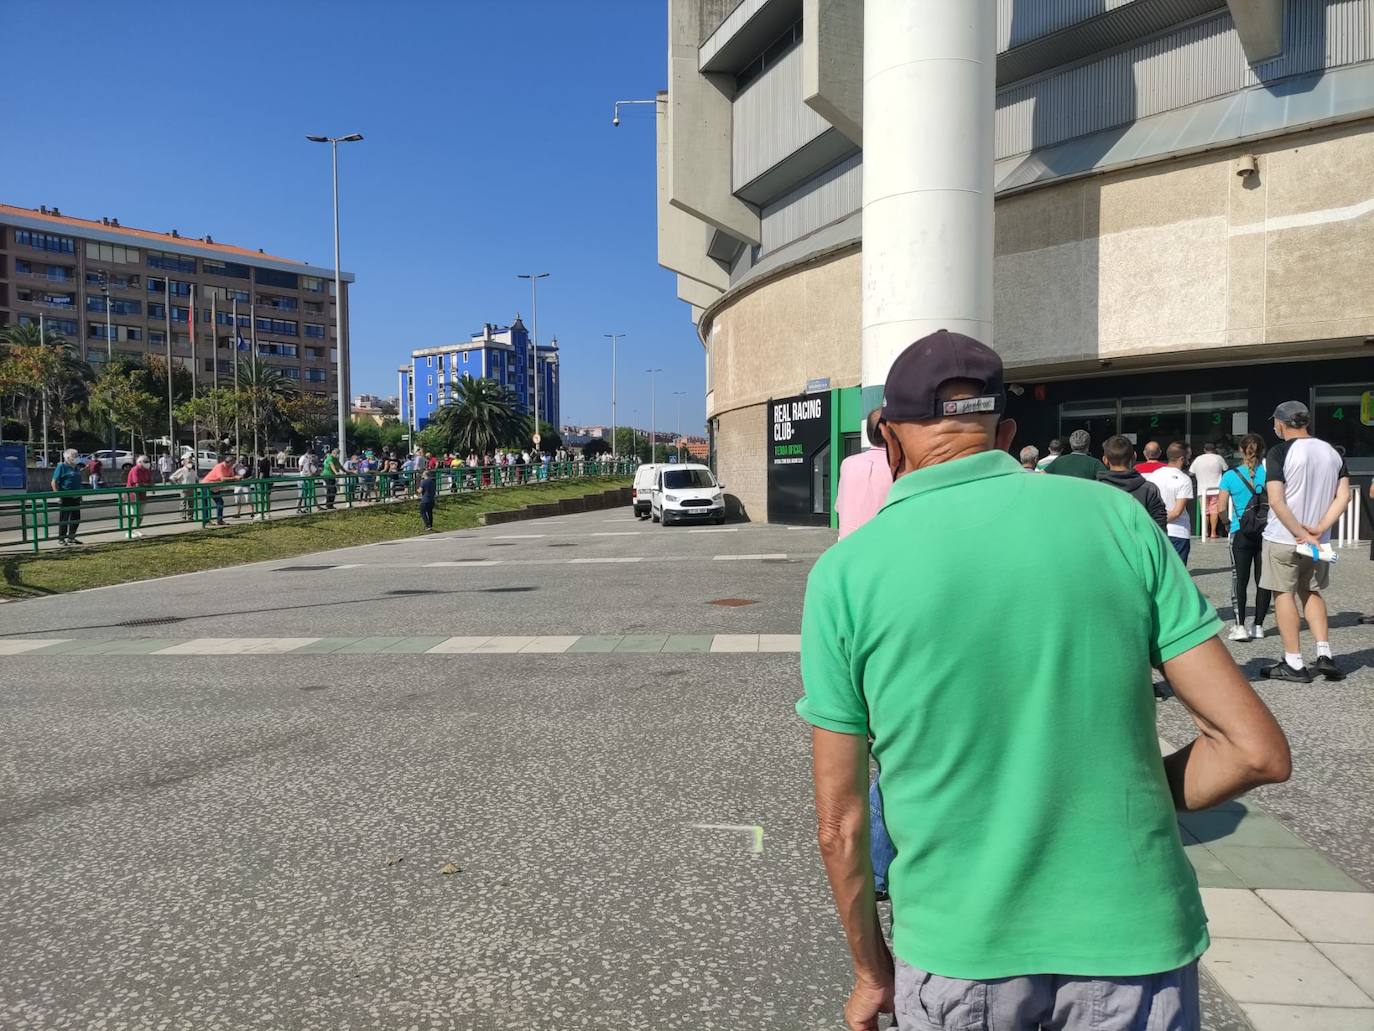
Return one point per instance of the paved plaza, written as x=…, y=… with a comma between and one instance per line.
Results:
x=543, y=775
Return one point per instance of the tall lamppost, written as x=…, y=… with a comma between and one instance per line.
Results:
x=613, y=338
x=653, y=417
x=534, y=278
x=677, y=447
x=342, y=363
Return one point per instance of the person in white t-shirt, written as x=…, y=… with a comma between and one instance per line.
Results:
x=1176, y=487
x=1308, y=487
x=1208, y=468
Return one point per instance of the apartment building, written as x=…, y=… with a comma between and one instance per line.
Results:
x=500, y=353
x=62, y=268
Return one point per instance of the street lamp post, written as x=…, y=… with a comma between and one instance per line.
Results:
x=614, y=337
x=677, y=447
x=342, y=363
x=653, y=417
x=534, y=278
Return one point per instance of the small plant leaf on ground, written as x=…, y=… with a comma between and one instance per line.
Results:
x=101, y=565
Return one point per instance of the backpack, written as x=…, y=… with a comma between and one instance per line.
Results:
x=1256, y=514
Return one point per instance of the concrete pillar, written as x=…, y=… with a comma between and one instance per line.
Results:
x=929, y=94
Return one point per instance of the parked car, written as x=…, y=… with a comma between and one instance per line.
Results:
x=205, y=459
x=686, y=494
x=123, y=460
x=642, y=492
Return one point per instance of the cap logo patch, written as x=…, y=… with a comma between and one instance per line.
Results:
x=970, y=406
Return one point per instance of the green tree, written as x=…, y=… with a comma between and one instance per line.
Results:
x=310, y=416
x=43, y=369
x=213, y=411
x=595, y=447
x=120, y=395
x=630, y=443
x=263, y=396
x=550, y=439
x=482, y=417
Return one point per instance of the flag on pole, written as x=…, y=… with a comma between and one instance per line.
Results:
x=242, y=343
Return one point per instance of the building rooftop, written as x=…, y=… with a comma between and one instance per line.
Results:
x=107, y=228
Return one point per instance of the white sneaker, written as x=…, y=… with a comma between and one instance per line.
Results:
x=137, y=533
x=1257, y=632
x=1239, y=633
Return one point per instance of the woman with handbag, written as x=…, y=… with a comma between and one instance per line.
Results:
x=1243, y=488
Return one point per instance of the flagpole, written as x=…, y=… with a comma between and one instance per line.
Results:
x=195, y=422
x=235, y=342
x=253, y=320
x=214, y=366
x=167, y=315
x=42, y=345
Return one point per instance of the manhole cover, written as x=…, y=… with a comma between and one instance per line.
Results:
x=152, y=621
x=732, y=603
x=301, y=569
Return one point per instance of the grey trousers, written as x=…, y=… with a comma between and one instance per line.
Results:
x=1048, y=1002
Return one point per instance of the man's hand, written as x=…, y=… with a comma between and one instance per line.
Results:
x=1308, y=536
x=867, y=1000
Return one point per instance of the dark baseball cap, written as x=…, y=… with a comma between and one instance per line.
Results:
x=923, y=368
x=1292, y=413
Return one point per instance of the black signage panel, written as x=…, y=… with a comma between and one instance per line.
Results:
x=799, y=459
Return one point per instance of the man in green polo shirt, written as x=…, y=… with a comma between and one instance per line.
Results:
x=993, y=634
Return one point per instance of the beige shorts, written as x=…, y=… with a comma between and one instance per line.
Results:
x=1283, y=569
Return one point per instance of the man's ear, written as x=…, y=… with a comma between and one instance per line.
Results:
x=1006, y=433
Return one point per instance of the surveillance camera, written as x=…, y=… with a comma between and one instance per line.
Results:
x=615, y=121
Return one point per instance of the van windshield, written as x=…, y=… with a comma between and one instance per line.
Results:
x=685, y=479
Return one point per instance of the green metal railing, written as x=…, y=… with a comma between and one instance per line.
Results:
x=29, y=520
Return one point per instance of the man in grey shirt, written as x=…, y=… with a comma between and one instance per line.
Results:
x=1308, y=487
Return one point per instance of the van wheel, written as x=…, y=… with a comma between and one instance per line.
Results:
x=652, y=518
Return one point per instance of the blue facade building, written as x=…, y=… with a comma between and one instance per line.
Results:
x=499, y=353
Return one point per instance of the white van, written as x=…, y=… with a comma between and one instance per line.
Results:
x=686, y=494
x=642, y=491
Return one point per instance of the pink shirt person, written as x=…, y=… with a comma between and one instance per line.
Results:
x=865, y=480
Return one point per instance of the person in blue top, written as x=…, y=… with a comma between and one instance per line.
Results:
x=1241, y=486
x=428, y=490
x=67, y=476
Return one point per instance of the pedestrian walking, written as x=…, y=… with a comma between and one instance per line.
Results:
x=1030, y=458
x=1207, y=470
x=307, y=468
x=1077, y=462
x=66, y=476
x=1055, y=449
x=1242, y=495
x=1153, y=453
x=1039, y=876
x=331, y=472
x=93, y=471
x=164, y=465
x=1118, y=455
x=1368, y=619
x=140, y=478
x=185, y=476
x=864, y=482
x=1176, y=488
x=429, y=488
x=224, y=471
x=1308, y=487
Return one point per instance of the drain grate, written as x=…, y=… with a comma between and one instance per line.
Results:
x=152, y=621
x=732, y=603
x=301, y=569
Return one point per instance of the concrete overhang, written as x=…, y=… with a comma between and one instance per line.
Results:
x=833, y=63
x=683, y=239
x=743, y=33
x=1259, y=24
x=699, y=295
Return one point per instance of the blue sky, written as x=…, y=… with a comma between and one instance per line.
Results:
x=489, y=151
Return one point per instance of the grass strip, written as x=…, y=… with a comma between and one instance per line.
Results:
x=101, y=565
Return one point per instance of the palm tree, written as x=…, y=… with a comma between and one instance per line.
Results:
x=482, y=416
x=263, y=394
x=41, y=368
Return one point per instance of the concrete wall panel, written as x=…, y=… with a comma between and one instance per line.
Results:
x=833, y=63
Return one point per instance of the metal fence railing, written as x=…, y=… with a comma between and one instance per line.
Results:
x=29, y=520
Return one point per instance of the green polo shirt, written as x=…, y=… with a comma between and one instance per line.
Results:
x=993, y=632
